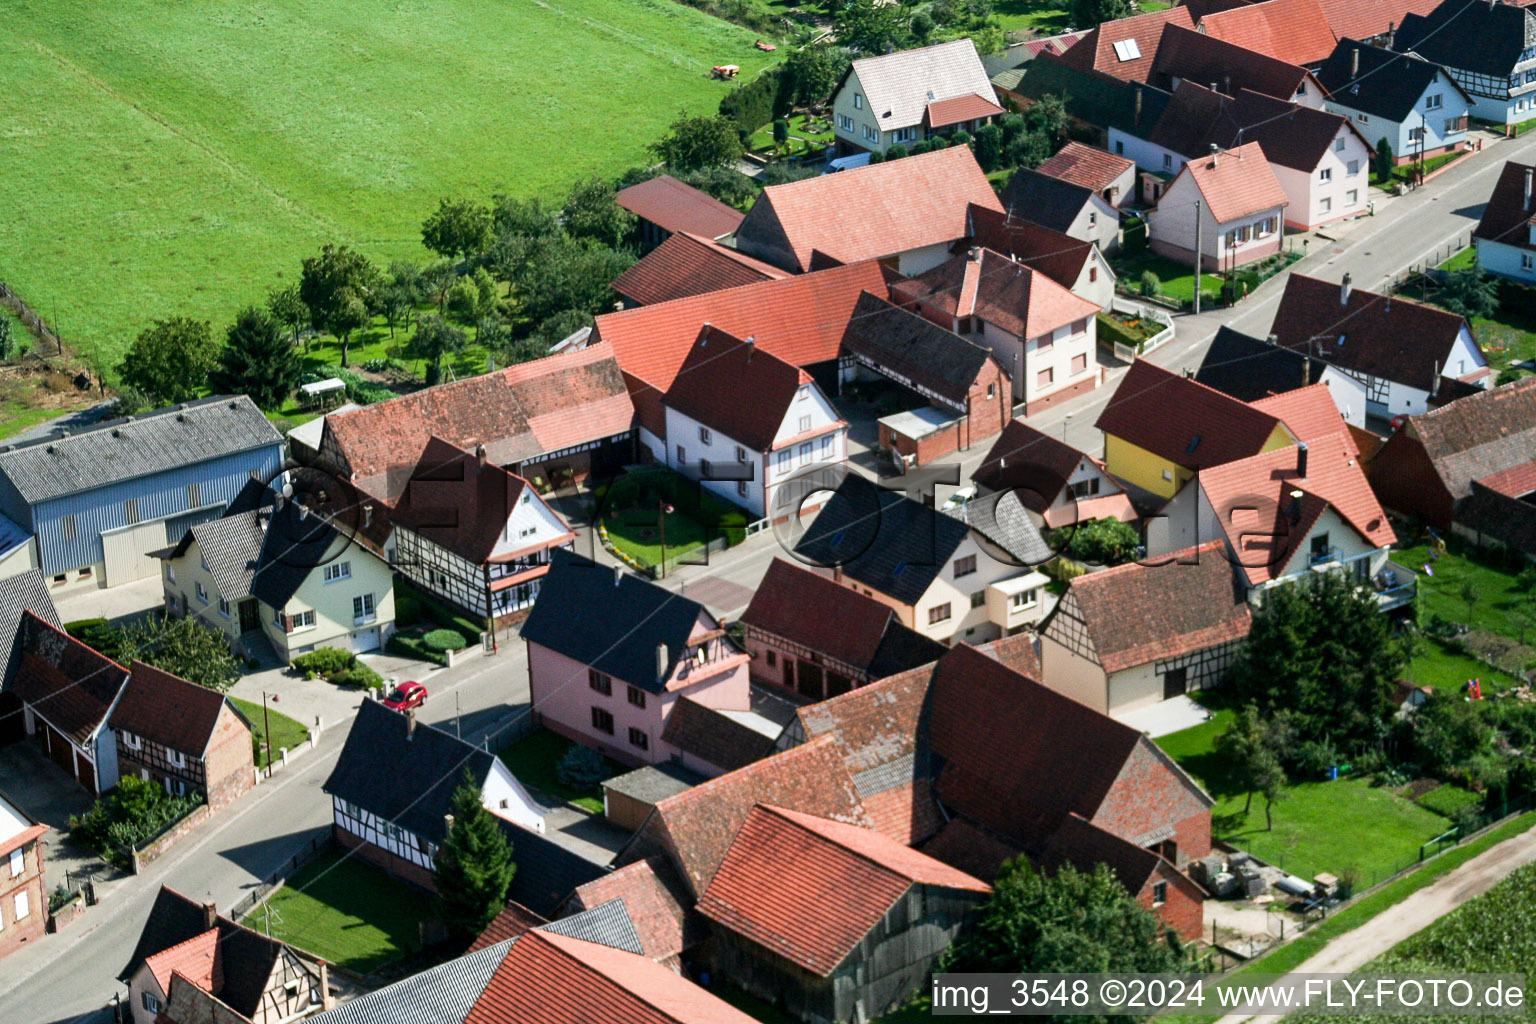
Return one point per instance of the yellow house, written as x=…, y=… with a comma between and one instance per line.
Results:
x=1160, y=429
x=282, y=573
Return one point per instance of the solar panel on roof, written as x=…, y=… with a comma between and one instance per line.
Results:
x=1126, y=49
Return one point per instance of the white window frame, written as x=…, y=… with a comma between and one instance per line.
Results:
x=828, y=447
x=131, y=740
x=805, y=424
x=302, y=621
x=202, y=593
x=364, y=610
x=1326, y=174
x=1527, y=261
x=705, y=437
x=18, y=862
x=858, y=101
x=223, y=607
x=22, y=905
x=338, y=571
x=176, y=757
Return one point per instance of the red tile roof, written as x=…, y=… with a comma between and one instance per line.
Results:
x=548, y=978
x=1096, y=50
x=517, y=413
x=1018, y=767
x=687, y=265
x=954, y=110
x=810, y=889
x=698, y=824
x=1136, y=614
x=1088, y=166
x=673, y=206
x=875, y=729
x=966, y=845
x=1295, y=31
x=1516, y=482
x=1237, y=183
x=806, y=607
x=1265, y=525
x=195, y=959
x=68, y=683
x=1363, y=19
x=1182, y=420
x=1017, y=652
x=900, y=205
x=167, y=709
x=983, y=283
x=1058, y=256
x=799, y=319
x=1308, y=413
x=1085, y=846
x=1373, y=334
x=730, y=386
x=656, y=901
x=514, y=920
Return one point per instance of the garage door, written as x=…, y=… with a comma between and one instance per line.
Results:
x=366, y=639
x=127, y=551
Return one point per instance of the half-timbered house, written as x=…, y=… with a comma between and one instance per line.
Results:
x=379, y=807
x=473, y=533
x=186, y=737
x=192, y=965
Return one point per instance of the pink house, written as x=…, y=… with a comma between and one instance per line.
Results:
x=611, y=655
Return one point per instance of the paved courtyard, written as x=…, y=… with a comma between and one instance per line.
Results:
x=43, y=790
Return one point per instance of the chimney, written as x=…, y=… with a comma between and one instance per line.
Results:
x=661, y=661
x=480, y=455
x=1354, y=62
x=1227, y=84
x=367, y=516
x=1301, y=459
x=1306, y=370
x=1273, y=339
x=975, y=253
x=1344, y=290
x=448, y=822
x=1434, y=387
x=1215, y=154
x=210, y=915
x=1528, y=173
x=618, y=575
x=1293, y=512
x=1136, y=119
x=751, y=344
x=1391, y=36
x=410, y=725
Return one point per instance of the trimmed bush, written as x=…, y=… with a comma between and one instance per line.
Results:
x=359, y=675
x=1151, y=284
x=444, y=640
x=324, y=661
x=582, y=767
x=404, y=646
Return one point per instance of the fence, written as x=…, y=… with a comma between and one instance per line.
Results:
x=1144, y=312
x=28, y=316
x=277, y=879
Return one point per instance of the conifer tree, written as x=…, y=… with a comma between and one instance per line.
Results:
x=474, y=868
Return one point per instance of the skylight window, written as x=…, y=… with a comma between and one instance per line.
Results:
x=1194, y=443
x=901, y=567
x=1126, y=49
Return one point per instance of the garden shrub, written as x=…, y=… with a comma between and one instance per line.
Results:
x=1151, y=284
x=582, y=767
x=1313, y=758
x=734, y=526
x=130, y=814
x=324, y=661
x=443, y=640
x=359, y=675
x=98, y=635
x=405, y=646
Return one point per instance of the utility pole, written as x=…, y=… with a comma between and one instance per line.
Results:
x=456, y=730
x=1199, y=256
x=266, y=725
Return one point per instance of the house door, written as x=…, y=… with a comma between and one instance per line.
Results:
x=1175, y=680
x=810, y=681
x=250, y=615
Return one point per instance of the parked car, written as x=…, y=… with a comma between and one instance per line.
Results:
x=406, y=696
x=962, y=496
x=846, y=163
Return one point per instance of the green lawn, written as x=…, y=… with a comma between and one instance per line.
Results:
x=286, y=732
x=1408, y=171
x=1497, y=600
x=534, y=758
x=346, y=911
x=1178, y=281
x=181, y=158
x=1343, y=827
x=802, y=138
x=1044, y=17
x=635, y=518
x=1466, y=259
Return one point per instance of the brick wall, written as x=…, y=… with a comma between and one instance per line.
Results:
x=384, y=860
x=1405, y=481
x=1150, y=794
x=157, y=849
x=1183, y=909
x=231, y=764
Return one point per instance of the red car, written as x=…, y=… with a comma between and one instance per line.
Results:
x=406, y=696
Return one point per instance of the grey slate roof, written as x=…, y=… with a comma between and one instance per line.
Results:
x=1249, y=368
x=266, y=553
x=137, y=446
x=882, y=539
x=1044, y=199
x=547, y=873
x=606, y=924
x=911, y=346
x=19, y=593
x=441, y=995
x=610, y=622
x=1387, y=84
x=1487, y=38
x=231, y=546
x=1002, y=519
x=654, y=782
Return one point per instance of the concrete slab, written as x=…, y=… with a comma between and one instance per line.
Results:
x=589, y=835
x=43, y=790
x=1170, y=715
x=115, y=604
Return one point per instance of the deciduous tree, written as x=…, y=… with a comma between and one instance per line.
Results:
x=170, y=360
x=347, y=313
x=592, y=212
x=1088, y=13
x=288, y=309
x=870, y=26
x=336, y=277
x=436, y=338
x=473, y=868
x=568, y=274
x=693, y=143
x=457, y=229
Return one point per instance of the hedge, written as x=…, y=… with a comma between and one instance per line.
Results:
x=324, y=661
x=411, y=647
x=444, y=640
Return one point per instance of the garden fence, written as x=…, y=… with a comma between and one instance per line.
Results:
x=277, y=879
x=34, y=323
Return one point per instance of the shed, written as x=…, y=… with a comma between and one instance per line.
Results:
x=628, y=798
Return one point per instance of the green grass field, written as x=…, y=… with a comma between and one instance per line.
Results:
x=1348, y=826
x=346, y=911
x=181, y=158
x=286, y=732
x=534, y=760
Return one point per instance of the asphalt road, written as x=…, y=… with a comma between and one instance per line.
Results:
x=70, y=976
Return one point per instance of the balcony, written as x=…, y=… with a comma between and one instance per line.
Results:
x=1395, y=586
x=1322, y=557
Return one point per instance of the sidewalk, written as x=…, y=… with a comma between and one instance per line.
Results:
x=1353, y=950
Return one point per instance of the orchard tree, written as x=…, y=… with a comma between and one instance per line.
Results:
x=335, y=278
x=170, y=360
x=287, y=308
x=1254, y=748
x=257, y=360
x=592, y=212
x=436, y=338
x=694, y=143
x=473, y=868
x=870, y=26
x=347, y=314
x=457, y=229
x=437, y=282
x=568, y=274
x=811, y=73
x=1088, y=13
x=1068, y=922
